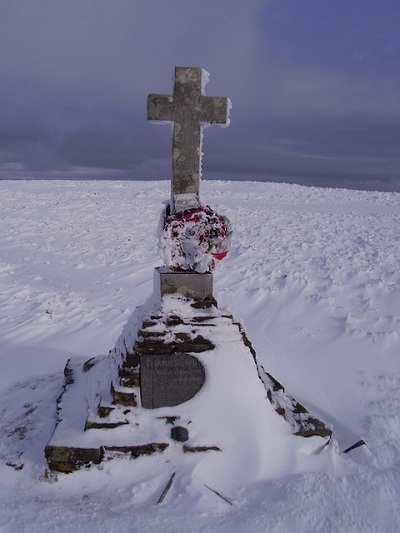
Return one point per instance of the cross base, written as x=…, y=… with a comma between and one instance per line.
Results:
x=181, y=202
x=188, y=284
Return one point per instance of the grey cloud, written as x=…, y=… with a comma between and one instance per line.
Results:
x=314, y=90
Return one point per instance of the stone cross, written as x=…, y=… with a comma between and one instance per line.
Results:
x=190, y=110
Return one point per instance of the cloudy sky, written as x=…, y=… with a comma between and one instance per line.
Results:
x=314, y=84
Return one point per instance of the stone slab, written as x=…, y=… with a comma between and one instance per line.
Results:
x=188, y=284
x=169, y=380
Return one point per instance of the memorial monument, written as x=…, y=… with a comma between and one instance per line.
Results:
x=190, y=110
x=180, y=359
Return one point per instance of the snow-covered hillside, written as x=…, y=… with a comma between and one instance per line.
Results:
x=314, y=277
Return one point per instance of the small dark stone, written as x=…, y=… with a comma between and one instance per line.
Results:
x=179, y=434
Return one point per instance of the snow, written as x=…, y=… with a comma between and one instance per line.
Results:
x=313, y=275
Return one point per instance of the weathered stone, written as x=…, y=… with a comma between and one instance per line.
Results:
x=150, y=323
x=189, y=109
x=195, y=449
x=131, y=360
x=197, y=345
x=91, y=424
x=302, y=422
x=130, y=380
x=246, y=341
x=276, y=386
x=89, y=364
x=298, y=408
x=155, y=347
x=180, y=343
x=150, y=334
x=183, y=336
x=68, y=459
x=311, y=427
x=207, y=303
x=104, y=410
x=68, y=374
x=173, y=321
x=168, y=380
x=127, y=399
x=203, y=320
x=138, y=451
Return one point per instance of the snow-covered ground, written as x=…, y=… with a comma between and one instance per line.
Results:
x=314, y=277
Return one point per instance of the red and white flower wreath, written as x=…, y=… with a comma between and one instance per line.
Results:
x=194, y=239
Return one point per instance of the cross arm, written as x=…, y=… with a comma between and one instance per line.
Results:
x=160, y=107
x=214, y=109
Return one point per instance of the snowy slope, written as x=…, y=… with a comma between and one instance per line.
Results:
x=314, y=277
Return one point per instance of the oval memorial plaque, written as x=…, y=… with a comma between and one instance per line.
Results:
x=169, y=379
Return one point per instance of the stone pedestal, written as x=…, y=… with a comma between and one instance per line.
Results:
x=190, y=369
x=188, y=284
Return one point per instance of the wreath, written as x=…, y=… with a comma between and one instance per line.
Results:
x=194, y=239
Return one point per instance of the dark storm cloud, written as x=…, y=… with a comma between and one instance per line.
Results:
x=314, y=87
